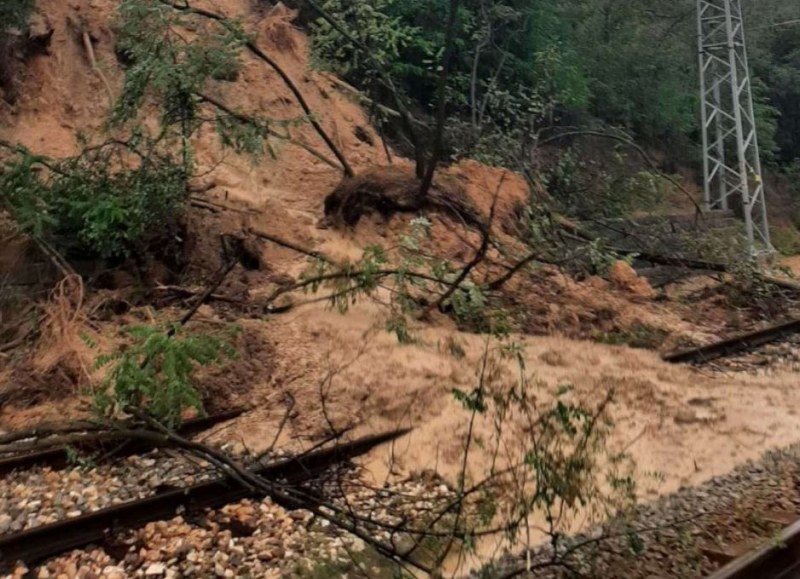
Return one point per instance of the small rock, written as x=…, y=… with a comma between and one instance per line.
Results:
x=113, y=572
x=155, y=569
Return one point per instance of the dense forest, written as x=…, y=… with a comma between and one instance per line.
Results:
x=623, y=63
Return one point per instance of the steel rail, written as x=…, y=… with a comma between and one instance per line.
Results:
x=60, y=456
x=777, y=558
x=40, y=543
x=735, y=345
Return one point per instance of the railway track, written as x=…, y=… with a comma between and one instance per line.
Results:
x=775, y=557
x=112, y=447
x=735, y=345
x=743, y=343
x=34, y=545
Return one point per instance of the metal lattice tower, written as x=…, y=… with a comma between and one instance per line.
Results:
x=731, y=162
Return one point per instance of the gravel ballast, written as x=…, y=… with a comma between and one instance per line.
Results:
x=680, y=534
x=250, y=538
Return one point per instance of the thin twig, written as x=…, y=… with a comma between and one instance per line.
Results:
x=244, y=119
x=291, y=245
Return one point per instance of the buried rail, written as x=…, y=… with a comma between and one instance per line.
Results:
x=778, y=558
x=40, y=543
x=60, y=457
x=735, y=345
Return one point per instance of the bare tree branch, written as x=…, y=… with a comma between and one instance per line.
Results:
x=260, y=54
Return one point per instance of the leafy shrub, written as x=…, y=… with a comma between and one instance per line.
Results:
x=506, y=52
x=13, y=14
x=385, y=34
x=166, y=66
x=556, y=448
x=587, y=190
x=90, y=205
x=747, y=289
x=156, y=372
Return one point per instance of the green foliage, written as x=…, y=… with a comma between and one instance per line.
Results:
x=350, y=281
x=90, y=205
x=174, y=58
x=510, y=62
x=469, y=305
x=385, y=34
x=113, y=199
x=603, y=259
x=398, y=325
x=474, y=401
x=639, y=76
x=722, y=245
x=623, y=63
x=415, y=277
x=775, y=59
x=155, y=373
x=14, y=13
x=746, y=288
x=13, y=17
x=590, y=189
x=166, y=67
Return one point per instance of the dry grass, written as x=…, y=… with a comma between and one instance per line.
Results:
x=63, y=329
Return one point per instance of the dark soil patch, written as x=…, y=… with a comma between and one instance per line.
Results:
x=228, y=386
x=26, y=387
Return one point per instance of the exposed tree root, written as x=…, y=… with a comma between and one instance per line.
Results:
x=390, y=190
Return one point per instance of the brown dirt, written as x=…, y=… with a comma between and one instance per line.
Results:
x=27, y=387
x=677, y=421
x=231, y=384
x=624, y=277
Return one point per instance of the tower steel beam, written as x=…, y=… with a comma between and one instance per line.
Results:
x=731, y=160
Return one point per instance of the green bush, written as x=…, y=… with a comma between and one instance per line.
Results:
x=14, y=13
x=590, y=190
x=156, y=372
x=90, y=206
x=508, y=51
